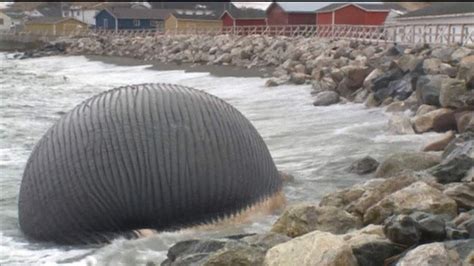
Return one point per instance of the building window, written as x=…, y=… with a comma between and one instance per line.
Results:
x=106, y=23
x=78, y=13
x=1, y=21
x=136, y=22
x=153, y=23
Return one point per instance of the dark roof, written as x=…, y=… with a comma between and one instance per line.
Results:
x=246, y=13
x=138, y=13
x=13, y=14
x=195, y=17
x=215, y=6
x=442, y=8
x=369, y=7
x=49, y=20
x=50, y=10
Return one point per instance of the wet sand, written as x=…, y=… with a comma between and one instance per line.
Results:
x=215, y=70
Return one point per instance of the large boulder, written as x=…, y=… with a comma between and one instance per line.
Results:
x=452, y=169
x=355, y=75
x=324, y=84
x=424, y=109
x=460, y=53
x=398, y=162
x=462, y=193
x=315, y=248
x=453, y=93
x=326, y=98
x=364, y=166
x=400, y=124
x=298, y=78
x=416, y=228
x=462, y=145
x=381, y=83
x=443, y=53
x=457, y=252
x=370, y=247
x=359, y=198
x=431, y=66
x=233, y=250
x=408, y=62
x=428, y=88
x=464, y=121
x=302, y=219
x=425, y=122
x=466, y=71
x=440, y=143
x=418, y=196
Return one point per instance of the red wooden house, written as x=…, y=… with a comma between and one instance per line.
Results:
x=243, y=17
x=292, y=13
x=354, y=14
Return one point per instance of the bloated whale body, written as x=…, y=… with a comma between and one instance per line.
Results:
x=154, y=156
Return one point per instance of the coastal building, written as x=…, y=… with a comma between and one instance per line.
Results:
x=243, y=17
x=5, y=21
x=440, y=13
x=356, y=13
x=131, y=18
x=17, y=19
x=177, y=21
x=447, y=22
x=54, y=25
x=292, y=13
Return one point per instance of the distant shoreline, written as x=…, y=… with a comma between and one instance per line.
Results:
x=215, y=70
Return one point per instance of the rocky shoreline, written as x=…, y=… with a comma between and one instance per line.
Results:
x=416, y=208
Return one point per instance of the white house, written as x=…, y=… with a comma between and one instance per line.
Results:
x=5, y=21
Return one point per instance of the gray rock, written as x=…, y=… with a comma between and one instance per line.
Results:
x=466, y=71
x=402, y=229
x=462, y=193
x=443, y=53
x=375, y=253
x=431, y=66
x=453, y=233
x=364, y=166
x=418, y=196
x=452, y=93
x=325, y=84
x=428, y=89
x=460, y=53
x=298, y=78
x=326, y=98
x=462, y=145
x=453, y=169
x=398, y=162
x=380, y=84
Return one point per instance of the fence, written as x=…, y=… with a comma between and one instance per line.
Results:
x=405, y=34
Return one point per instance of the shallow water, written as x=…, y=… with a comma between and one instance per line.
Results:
x=316, y=144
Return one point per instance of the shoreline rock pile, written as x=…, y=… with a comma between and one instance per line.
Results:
x=404, y=216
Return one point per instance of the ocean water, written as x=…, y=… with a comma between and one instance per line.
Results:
x=315, y=144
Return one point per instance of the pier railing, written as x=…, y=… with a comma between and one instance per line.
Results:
x=401, y=33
